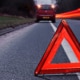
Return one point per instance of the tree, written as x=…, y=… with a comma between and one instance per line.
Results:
x=67, y=5
x=1, y=2
x=18, y=7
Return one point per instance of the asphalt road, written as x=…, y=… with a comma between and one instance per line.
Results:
x=21, y=51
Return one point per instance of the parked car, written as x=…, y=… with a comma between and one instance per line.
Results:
x=45, y=12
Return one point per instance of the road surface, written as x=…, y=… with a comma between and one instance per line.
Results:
x=21, y=51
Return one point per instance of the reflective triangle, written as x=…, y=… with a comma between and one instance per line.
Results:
x=45, y=66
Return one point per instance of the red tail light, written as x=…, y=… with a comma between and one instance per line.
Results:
x=38, y=6
x=52, y=6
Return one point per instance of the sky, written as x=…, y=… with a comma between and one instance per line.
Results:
x=45, y=1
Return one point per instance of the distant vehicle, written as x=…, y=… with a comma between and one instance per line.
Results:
x=45, y=12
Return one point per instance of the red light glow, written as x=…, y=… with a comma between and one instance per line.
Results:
x=71, y=14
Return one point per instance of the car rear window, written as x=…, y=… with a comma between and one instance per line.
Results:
x=46, y=7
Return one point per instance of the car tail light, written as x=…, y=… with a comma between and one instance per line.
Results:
x=52, y=6
x=39, y=6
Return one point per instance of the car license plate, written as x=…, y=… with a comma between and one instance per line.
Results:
x=45, y=17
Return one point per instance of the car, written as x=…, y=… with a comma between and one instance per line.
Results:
x=45, y=12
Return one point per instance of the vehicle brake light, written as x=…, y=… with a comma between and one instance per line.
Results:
x=53, y=6
x=39, y=6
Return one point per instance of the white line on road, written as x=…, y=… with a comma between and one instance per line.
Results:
x=67, y=48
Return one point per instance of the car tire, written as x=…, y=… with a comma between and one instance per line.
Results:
x=37, y=20
x=53, y=21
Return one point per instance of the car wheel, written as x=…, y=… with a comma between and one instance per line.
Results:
x=37, y=20
x=53, y=20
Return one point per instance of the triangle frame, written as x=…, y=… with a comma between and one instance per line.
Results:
x=45, y=66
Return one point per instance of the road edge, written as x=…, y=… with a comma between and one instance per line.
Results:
x=11, y=29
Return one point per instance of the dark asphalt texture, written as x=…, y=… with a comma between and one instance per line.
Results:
x=21, y=51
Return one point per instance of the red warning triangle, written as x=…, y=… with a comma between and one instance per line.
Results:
x=45, y=66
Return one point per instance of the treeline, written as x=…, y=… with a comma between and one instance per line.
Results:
x=67, y=5
x=27, y=7
x=17, y=7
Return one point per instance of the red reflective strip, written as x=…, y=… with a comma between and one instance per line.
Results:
x=45, y=66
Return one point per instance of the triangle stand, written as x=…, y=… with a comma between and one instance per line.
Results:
x=45, y=66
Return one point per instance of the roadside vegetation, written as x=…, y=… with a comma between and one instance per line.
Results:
x=16, y=12
x=13, y=21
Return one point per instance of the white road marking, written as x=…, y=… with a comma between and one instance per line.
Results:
x=68, y=50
